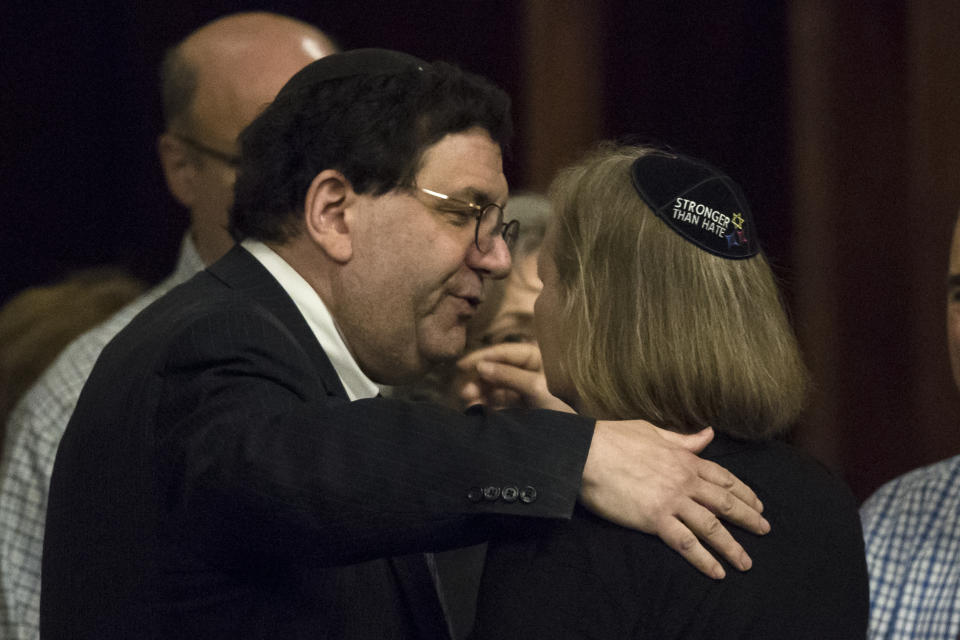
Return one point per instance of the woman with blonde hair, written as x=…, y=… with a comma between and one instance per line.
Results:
x=658, y=304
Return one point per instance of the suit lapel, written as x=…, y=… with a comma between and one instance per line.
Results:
x=242, y=272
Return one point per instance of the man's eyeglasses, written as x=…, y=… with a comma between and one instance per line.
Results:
x=490, y=222
x=222, y=156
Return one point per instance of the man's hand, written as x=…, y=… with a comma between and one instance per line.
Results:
x=649, y=479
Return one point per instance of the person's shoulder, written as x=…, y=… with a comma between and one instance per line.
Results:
x=172, y=306
x=781, y=467
x=935, y=476
x=812, y=468
x=204, y=319
x=930, y=492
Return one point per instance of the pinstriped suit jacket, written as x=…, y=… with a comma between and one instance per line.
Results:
x=215, y=482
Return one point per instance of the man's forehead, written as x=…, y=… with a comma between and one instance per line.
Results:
x=468, y=164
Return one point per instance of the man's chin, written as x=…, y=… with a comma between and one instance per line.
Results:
x=443, y=350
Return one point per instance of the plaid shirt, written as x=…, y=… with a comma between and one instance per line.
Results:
x=912, y=531
x=33, y=433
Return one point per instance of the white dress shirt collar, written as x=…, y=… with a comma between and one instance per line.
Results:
x=189, y=262
x=318, y=318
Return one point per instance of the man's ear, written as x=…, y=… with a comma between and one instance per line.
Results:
x=325, y=217
x=179, y=168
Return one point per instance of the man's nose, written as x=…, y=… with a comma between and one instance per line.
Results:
x=495, y=263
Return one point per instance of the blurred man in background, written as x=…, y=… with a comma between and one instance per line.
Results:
x=214, y=83
x=912, y=528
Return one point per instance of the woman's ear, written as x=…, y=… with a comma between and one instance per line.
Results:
x=325, y=219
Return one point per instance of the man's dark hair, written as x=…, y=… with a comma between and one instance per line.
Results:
x=371, y=128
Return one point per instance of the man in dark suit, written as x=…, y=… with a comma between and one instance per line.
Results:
x=229, y=471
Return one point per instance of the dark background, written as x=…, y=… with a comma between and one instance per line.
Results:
x=81, y=174
x=837, y=122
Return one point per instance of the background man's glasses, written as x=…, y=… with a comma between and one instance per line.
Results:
x=222, y=156
x=490, y=222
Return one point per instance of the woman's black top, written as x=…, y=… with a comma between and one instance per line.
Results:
x=588, y=578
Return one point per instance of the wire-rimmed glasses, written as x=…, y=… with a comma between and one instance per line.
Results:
x=490, y=222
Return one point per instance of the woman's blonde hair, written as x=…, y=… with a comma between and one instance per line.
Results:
x=661, y=329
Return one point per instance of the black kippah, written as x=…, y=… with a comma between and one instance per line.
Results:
x=358, y=62
x=697, y=201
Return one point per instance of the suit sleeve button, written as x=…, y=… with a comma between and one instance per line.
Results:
x=491, y=493
x=510, y=494
x=528, y=495
x=474, y=494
